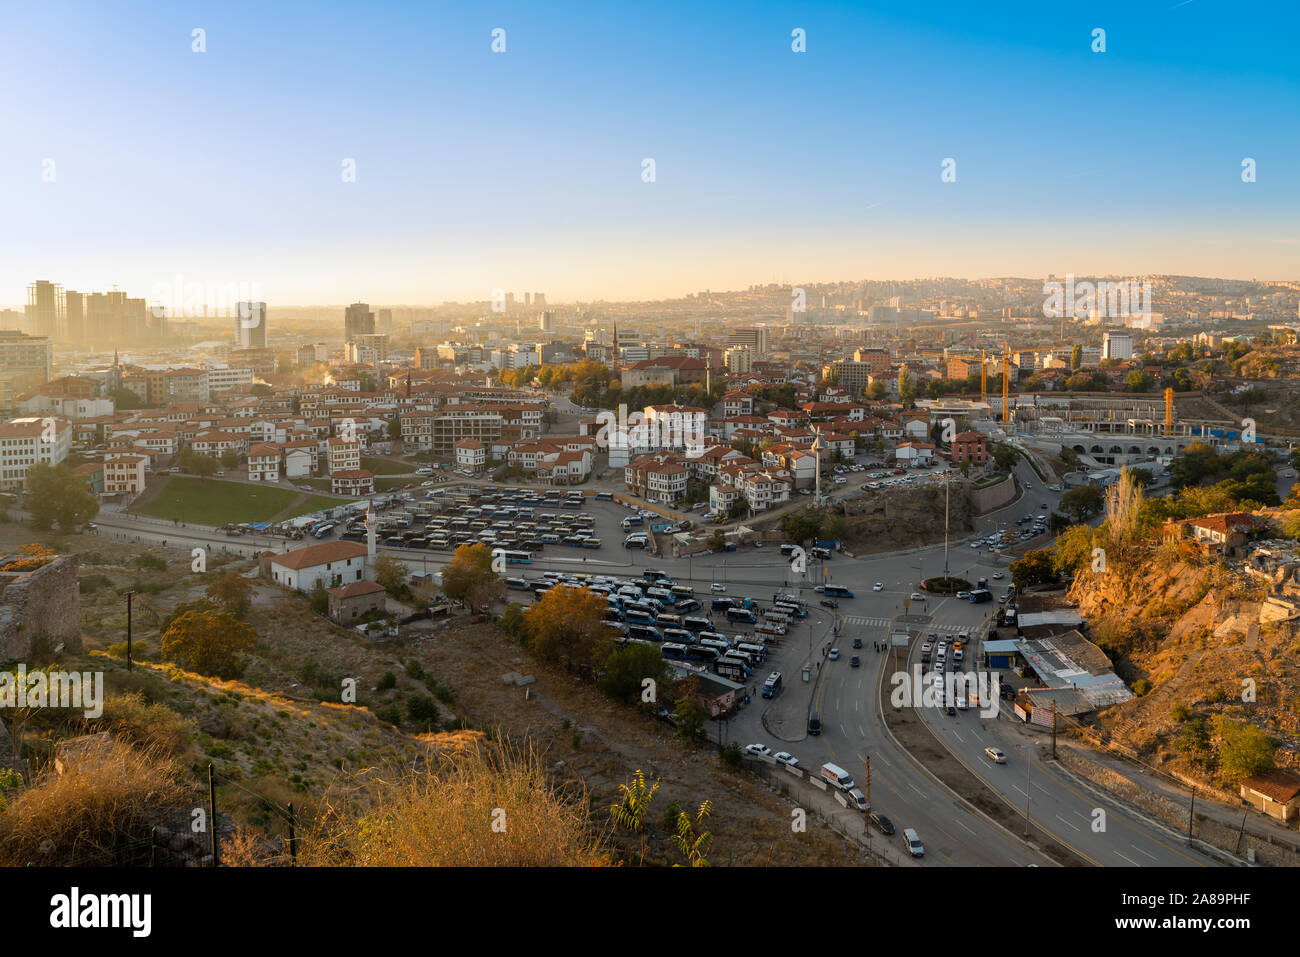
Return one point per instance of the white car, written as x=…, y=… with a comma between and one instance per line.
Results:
x=819, y=589
x=917, y=596
x=878, y=586
x=834, y=655
x=717, y=586
x=785, y=757
x=758, y=749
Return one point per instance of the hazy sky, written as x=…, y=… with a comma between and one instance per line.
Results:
x=523, y=170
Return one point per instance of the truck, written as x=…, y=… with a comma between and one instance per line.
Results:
x=837, y=776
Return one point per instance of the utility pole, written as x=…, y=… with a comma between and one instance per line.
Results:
x=129, y=595
x=212, y=813
x=945, y=527
x=1053, y=729
x=1028, y=764
x=866, y=784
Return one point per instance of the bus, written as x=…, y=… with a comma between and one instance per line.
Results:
x=703, y=654
x=981, y=594
x=730, y=668
x=721, y=646
x=772, y=686
x=645, y=632
x=837, y=591
x=673, y=650
x=682, y=591
x=771, y=629
x=697, y=624
x=757, y=652
x=777, y=617
x=516, y=558
x=741, y=615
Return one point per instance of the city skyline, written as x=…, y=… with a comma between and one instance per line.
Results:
x=524, y=169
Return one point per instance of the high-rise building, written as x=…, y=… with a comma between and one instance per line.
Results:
x=385, y=324
x=546, y=321
x=45, y=309
x=755, y=337
x=740, y=360
x=358, y=320
x=74, y=317
x=1117, y=345
x=110, y=318
x=250, y=325
x=539, y=299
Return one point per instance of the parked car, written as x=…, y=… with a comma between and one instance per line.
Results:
x=785, y=757
x=884, y=824
x=758, y=749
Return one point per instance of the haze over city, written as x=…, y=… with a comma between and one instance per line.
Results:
x=477, y=170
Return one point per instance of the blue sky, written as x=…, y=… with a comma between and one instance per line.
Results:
x=522, y=170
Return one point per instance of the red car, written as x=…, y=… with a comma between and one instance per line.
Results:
x=900, y=471
x=478, y=619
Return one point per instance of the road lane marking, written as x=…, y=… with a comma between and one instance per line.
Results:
x=1129, y=859
x=1147, y=853
x=1070, y=824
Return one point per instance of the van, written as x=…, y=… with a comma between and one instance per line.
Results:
x=913, y=842
x=837, y=776
x=858, y=799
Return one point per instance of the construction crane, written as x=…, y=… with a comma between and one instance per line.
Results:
x=1169, y=411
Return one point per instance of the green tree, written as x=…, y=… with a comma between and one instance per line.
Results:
x=566, y=627
x=229, y=458
x=1082, y=503
x=1034, y=569
x=694, y=846
x=627, y=668
x=1243, y=748
x=470, y=578
x=55, y=493
x=209, y=643
x=233, y=592
x=1072, y=551
x=1137, y=381
x=1076, y=358
x=394, y=575
x=633, y=806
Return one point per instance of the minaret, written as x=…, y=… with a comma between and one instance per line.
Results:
x=372, y=525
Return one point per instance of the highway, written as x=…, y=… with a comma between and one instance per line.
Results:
x=954, y=832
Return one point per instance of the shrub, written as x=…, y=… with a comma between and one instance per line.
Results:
x=1141, y=687
x=442, y=816
x=92, y=815
x=151, y=562
x=387, y=681
x=1180, y=712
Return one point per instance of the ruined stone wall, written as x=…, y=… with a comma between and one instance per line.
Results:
x=45, y=602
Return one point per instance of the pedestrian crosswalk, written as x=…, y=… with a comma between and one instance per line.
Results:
x=884, y=622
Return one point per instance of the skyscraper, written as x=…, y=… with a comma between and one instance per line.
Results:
x=45, y=309
x=358, y=320
x=250, y=325
x=546, y=321
x=74, y=317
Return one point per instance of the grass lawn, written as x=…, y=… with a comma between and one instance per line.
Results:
x=214, y=502
x=382, y=466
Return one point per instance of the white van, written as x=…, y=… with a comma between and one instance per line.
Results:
x=913, y=842
x=858, y=799
x=837, y=776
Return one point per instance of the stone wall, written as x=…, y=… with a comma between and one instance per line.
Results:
x=995, y=496
x=44, y=602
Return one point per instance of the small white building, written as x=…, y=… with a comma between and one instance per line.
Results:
x=470, y=454
x=264, y=463
x=125, y=473
x=912, y=453
x=330, y=563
